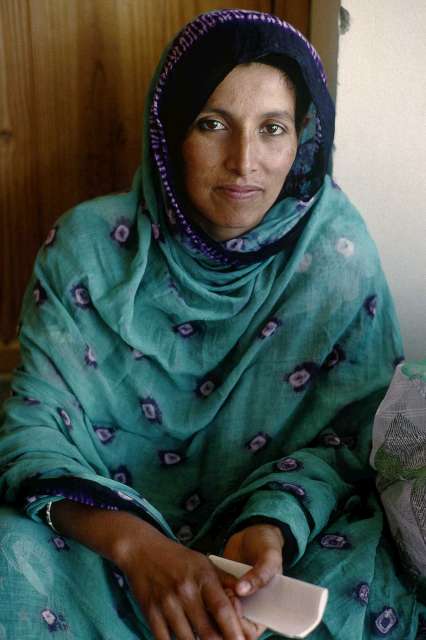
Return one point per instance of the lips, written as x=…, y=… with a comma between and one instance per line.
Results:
x=239, y=192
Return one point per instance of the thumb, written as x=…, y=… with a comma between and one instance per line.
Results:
x=259, y=576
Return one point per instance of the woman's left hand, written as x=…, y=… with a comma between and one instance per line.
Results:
x=261, y=546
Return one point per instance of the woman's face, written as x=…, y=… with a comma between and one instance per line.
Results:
x=239, y=150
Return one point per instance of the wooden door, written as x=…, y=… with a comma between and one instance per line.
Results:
x=73, y=79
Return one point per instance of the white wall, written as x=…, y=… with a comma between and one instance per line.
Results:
x=380, y=154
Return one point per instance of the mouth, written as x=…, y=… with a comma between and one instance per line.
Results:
x=239, y=192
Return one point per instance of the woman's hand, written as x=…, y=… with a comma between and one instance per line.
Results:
x=178, y=590
x=261, y=546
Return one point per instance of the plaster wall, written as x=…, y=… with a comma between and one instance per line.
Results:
x=380, y=143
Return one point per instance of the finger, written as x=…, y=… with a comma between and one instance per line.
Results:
x=222, y=611
x=251, y=629
x=226, y=579
x=189, y=594
x=200, y=620
x=158, y=624
x=235, y=602
x=268, y=566
x=176, y=618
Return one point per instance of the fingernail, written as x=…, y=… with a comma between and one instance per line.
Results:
x=244, y=588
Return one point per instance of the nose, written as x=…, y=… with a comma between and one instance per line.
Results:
x=242, y=153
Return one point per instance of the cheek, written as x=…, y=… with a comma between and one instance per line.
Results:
x=281, y=161
x=290, y=151
x=198, y=156
x=199, y=166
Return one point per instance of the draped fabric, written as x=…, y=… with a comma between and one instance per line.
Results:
x=203, y=384
x=399, y=455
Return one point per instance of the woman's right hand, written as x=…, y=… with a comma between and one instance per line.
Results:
x=177, y=589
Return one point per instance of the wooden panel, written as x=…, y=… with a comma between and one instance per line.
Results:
x=73, y=79
x=9, y=357
x=19, y=189
x=297, y=12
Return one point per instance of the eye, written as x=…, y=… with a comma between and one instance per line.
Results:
x=210, y=124
x=273, y=129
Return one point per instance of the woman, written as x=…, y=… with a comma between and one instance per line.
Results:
x=202, y=360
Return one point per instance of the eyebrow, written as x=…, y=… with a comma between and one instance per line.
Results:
x=268, y=114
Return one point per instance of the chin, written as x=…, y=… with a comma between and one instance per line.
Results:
x=221, y=232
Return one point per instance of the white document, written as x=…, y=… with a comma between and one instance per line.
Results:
x=286, y=605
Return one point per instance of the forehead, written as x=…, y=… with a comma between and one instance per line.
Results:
x=253, y=86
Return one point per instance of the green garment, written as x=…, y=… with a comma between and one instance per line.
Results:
x=200, y=394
